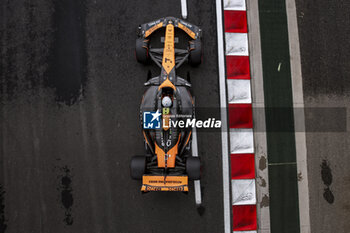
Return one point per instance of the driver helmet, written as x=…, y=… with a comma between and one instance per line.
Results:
x=166, y=101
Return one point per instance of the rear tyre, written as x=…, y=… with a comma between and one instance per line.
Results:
x=195, y=53
x=137, y=167
x=193, y=168
x=141, y=50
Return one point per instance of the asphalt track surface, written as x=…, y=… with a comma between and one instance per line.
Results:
x=324, y=29
x=70, y=91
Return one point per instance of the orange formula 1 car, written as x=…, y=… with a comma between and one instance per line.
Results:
x=167, y=107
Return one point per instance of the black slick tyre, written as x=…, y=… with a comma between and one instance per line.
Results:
x=195, y=53
x=193, y=168
x=141, y=50
x=137, y=167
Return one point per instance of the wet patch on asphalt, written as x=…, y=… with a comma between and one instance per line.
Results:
x=265, y=201
x=261, y=181
x=24, y=47
x=68, y=59
x=262, y=163
x=8, y=74
x=327, y=178
x=3, y=221
x=36, y=52
x=66, y=194
x=46, y=49
x=200, y=210
x=300, y=176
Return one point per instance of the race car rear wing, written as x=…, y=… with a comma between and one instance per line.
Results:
x=164, y=183
x=145, y=30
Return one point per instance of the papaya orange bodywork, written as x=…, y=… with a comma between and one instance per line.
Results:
x=167, y=83
x=160, y=156
x=162, y=183
x=169, y=51
x=189, y=136
x=152, y=29
x=166, y=119
x=172, y=154
x=187, y=30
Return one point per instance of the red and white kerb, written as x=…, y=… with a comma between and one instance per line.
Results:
x=240, y=117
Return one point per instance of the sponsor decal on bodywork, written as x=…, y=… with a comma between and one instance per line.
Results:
x=164, y=183
x=152, y=29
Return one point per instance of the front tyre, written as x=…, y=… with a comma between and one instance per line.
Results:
x=195, y=53
x=141, y=50
x=137, y=167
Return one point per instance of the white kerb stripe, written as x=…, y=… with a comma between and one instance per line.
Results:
x=239, y=91
x=237, y=5
x=236, y=44
x=243, y=192
x=241, y=141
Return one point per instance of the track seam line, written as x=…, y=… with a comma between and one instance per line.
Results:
x=277, y=164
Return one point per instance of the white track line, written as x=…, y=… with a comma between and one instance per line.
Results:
x=197, y=183
x=299, y=120
x=184, y=9
x=224, y=133
x=197, y=192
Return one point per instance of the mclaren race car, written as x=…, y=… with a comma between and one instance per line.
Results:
x=167, y=106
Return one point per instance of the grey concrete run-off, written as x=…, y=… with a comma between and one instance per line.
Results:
x=324, y=29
